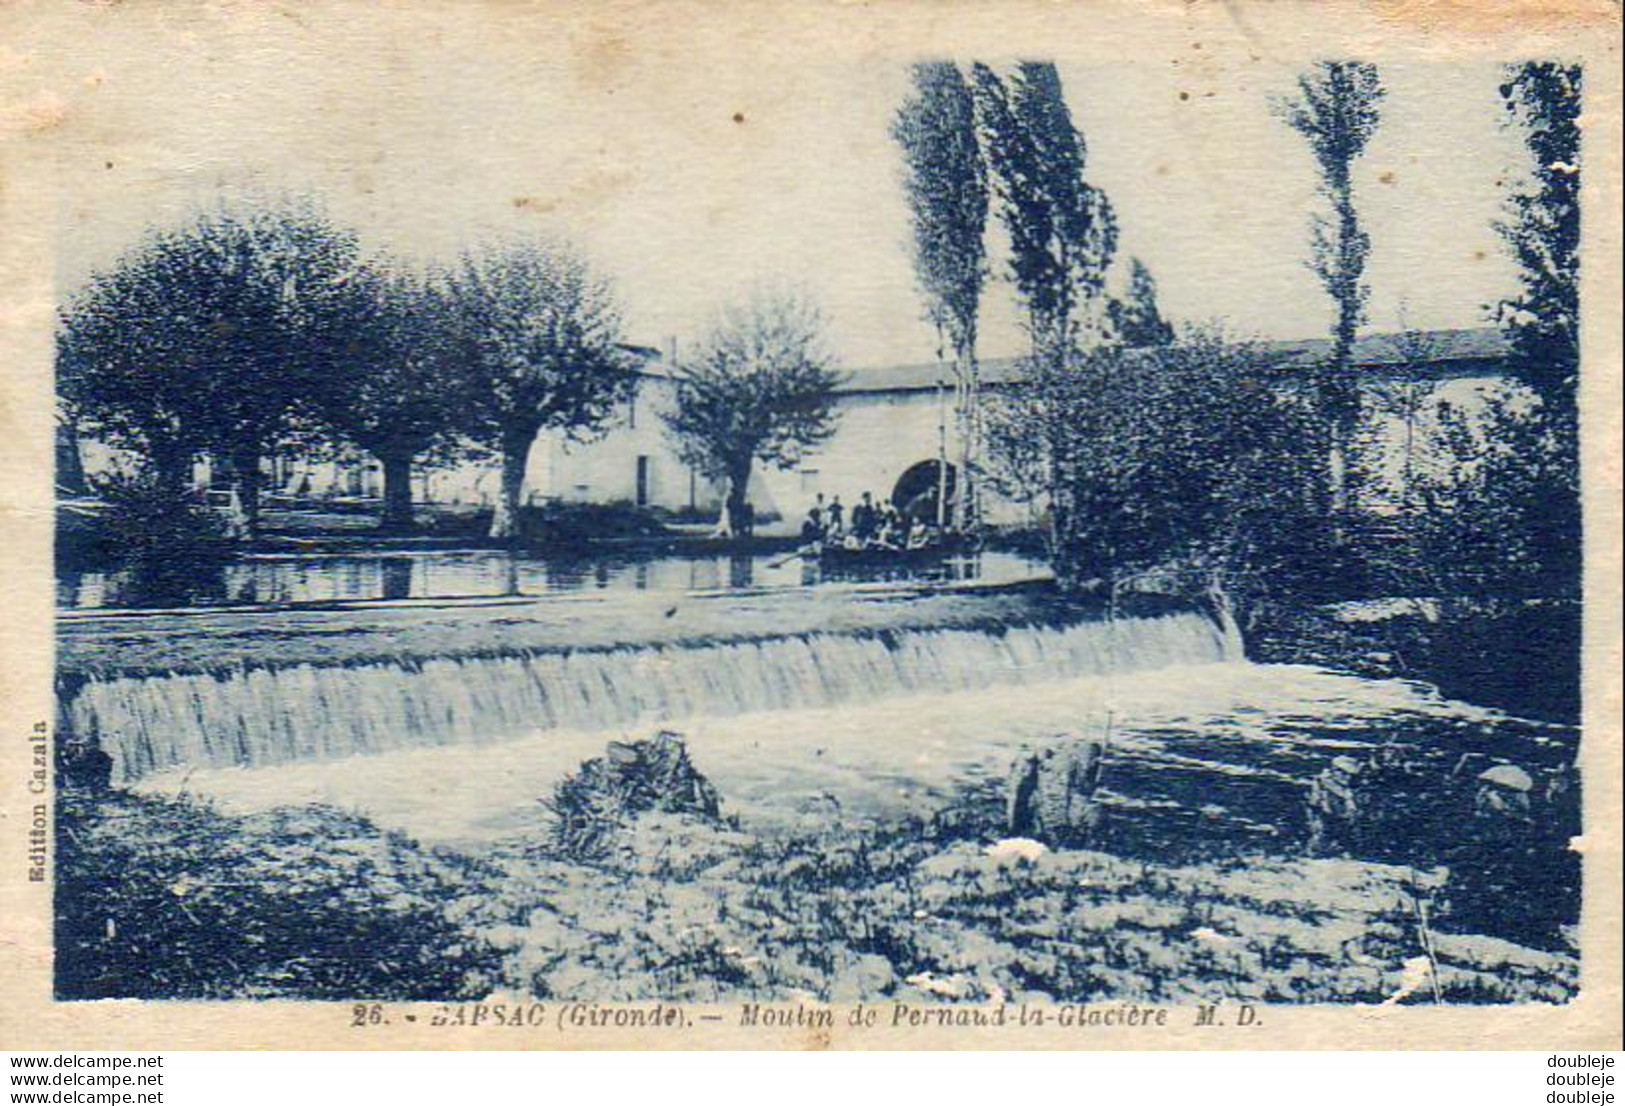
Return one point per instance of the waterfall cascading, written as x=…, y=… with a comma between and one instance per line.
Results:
x=275, y=715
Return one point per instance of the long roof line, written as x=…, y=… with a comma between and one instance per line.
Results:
x=1462, y=352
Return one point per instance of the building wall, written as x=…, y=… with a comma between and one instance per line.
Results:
x=879, y=436
x=603, y=469
x=1387, y=434
x=632, y=461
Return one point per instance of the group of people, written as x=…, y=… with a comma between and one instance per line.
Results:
x=870, y=526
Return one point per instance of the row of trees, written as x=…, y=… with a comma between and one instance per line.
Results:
x=968, y=139
x=258, y=327
x=255, y=329
x=1074, y=435
x=1145, y=449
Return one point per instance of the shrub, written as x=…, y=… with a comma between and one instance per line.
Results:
x=575, y=524
x=147, y=520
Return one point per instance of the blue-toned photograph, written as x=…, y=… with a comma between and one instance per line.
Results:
x=953, y=532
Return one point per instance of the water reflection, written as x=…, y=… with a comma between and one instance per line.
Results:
x=397, y=577
x=311, y=578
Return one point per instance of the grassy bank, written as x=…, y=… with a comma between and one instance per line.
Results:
x=919, y=914
x=166, y=899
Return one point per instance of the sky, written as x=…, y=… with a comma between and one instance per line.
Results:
x=690, y=183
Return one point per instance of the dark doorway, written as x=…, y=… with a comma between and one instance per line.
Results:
x=643, y=481
x=918, y=489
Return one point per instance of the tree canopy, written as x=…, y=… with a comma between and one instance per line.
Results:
x=758, y=387
x=397, y=389
x=539, y=332
x=1542, y=232
x=1181, y=454
x=1063, y=231
x=947, y=191
x=1135, y=317
x=211, y=336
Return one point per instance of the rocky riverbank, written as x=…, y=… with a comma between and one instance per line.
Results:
x=1517, y=655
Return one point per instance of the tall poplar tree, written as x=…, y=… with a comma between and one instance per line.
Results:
x=1063, y=235
x=1136, y=318
x=1063, y=232
x=946, y=185
x=1542, y=232
x=1336, y=109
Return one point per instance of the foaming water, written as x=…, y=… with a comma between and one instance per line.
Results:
x=1227, y=746
x=271, y=716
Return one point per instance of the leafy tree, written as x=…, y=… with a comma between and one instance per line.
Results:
x=1136, y=320
x=1186, y=456
x=1336, y=109
x=759, y=387
x=1063, y=232
x=1503, y=516
x=539, y=333
x=946, y=185
x=171, y=546
x=118, y=369
x=1543, y=234
x=210, y=337
x=398, y=390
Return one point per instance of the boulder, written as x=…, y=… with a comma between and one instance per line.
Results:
x=82, y=765
x=1504, y=791
x=1051, y=794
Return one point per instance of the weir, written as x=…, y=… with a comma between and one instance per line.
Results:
x=272, y=715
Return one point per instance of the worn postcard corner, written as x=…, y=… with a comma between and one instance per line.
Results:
x=656, y=525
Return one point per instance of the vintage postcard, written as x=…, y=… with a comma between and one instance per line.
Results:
x=676, y=525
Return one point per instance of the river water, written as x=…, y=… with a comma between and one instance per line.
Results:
x=442, y=574
x=1202, y=745
x=1223, y=750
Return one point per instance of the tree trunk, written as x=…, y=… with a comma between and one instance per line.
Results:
x=245, y=471
x=70, y=468
x=733, y=503
x=965, y=505
x=397, y=491
x=397, y=573
x=171, y=467
x=1341, y=391
x=515, y=458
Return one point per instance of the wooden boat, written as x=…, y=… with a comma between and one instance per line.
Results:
x=838, y=556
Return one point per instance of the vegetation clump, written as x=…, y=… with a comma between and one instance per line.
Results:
x=169, y=899
x=591, y=805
